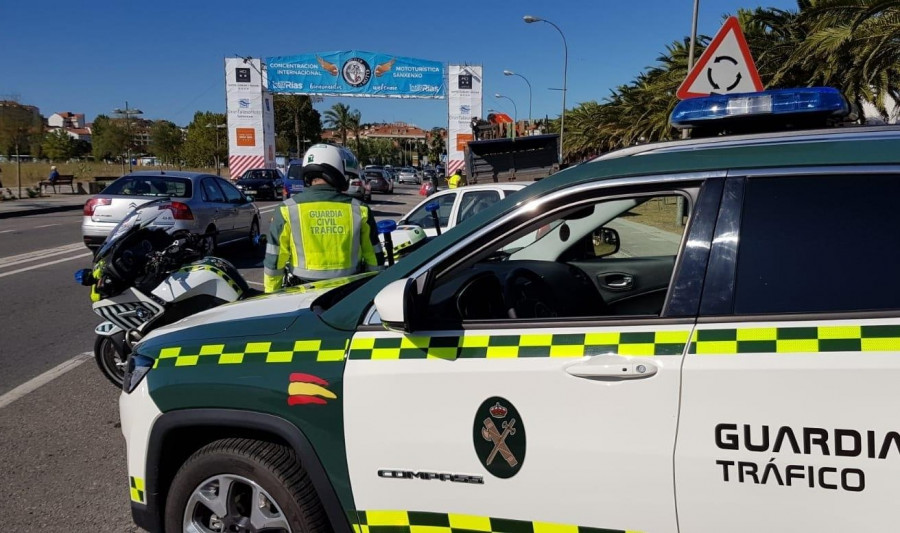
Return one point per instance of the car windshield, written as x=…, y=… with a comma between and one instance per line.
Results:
x=167, y=186
x=373, y=174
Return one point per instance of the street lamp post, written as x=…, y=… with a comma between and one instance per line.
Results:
x=216, y=154
x=562, y=119
x=128, y=113
x=511, y=73
x=515, y=112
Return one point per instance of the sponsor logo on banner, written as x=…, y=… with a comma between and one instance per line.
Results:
x=356, y=72
x=245, y=136
x=464, y=81
x=244, y=103
x=242, y=75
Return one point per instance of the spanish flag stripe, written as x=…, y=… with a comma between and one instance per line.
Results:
x=308, y=378
x=301, y=400
x=310, y=389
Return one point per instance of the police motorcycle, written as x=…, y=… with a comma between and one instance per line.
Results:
x=146, y=276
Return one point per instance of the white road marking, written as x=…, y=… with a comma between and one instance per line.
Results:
x=271, y=208
x=7, y=230
x=48, y=263
x=46, y=226
x=256, y=283
x=39, y=255
x=35, y=383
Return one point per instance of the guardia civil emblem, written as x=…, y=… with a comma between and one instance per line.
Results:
x=499, y=436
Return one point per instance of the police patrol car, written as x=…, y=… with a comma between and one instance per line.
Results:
x=695, y=336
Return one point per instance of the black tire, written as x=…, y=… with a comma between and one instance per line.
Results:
x=110, y=358
x=254, y=233
x=274, y=468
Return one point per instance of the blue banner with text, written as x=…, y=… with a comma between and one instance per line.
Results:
x=355, y=73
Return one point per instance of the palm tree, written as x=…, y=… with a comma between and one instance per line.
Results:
x=340, y=118
x=355, y=125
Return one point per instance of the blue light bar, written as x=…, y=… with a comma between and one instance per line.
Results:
x=703, y=111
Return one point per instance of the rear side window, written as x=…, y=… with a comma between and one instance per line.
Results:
x=819, y=244
x=475, y=202
x=211, y=191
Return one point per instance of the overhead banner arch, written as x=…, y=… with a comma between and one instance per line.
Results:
x=355, y=73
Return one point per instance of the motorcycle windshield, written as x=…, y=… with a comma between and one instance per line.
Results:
x=140, y=217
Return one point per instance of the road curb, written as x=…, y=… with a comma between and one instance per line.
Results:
x=39, y=211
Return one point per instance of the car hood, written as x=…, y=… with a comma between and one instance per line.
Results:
x=270, y=313
x=253, y=182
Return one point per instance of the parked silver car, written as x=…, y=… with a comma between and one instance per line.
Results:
x=201, y=203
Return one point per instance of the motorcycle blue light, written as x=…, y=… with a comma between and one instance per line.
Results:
x=826, y=101
x=84, y=277
x=432, y=207
x=386, y=226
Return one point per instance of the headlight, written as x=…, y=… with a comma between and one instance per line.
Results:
x=135, y=370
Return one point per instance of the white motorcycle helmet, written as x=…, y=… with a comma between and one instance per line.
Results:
x=335, y=164
x=406, y=238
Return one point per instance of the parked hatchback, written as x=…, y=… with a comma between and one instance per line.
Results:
x=201, y=203
x=379, y=180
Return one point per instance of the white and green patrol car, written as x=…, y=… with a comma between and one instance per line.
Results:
x=694, y=336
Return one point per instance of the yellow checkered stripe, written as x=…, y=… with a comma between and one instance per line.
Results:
x=251, y=352
x=423, y=522
x=875, y=338
x=217, y=271
x=137, y=489
x=476, y=346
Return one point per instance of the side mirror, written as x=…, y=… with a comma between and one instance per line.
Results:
x=606, y=242
x=395, y=303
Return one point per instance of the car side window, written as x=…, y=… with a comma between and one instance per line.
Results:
x=421, y=217
x=232, y=195
x=474, y=202
x=628, y=248
x=211, y=191
x=818, y=244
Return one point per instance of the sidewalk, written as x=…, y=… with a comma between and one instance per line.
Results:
x=49, y=203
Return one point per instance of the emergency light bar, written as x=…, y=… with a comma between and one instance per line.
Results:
x=825, y=102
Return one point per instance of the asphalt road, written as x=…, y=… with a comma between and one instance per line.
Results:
x=61, y=447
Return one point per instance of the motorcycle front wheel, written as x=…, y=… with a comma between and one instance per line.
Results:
x=111, y=358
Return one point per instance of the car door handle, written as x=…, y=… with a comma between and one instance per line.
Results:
x=619, y=282
x=612, y=367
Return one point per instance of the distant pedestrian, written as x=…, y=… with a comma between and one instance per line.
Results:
x=453, y=181
x=54, y=175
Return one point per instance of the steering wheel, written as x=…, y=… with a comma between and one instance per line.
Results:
x=527, y=295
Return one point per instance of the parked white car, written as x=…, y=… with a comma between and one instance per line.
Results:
x=456, y=205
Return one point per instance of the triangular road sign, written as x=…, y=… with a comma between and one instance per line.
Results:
x=725, y=67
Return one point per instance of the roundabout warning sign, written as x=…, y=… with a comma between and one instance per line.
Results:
x=725, y=67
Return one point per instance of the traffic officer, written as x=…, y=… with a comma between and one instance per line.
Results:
x=322, y=233
x=453, y=181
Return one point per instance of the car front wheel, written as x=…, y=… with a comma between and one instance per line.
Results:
x=243, y=485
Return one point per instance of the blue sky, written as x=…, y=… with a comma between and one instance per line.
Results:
x=166, y=57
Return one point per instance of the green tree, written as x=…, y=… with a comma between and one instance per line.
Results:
x=437, y=145
x=355, y=126
x=199, y=149
x=297, y=123
x=166, y=140
x=109, y=139
x=58, y=145
x=340, y=117
x=21, y=129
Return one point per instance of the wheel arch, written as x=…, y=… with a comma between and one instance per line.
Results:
x=178, y=434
